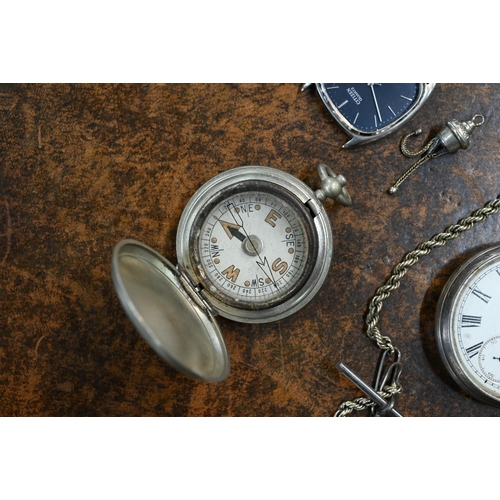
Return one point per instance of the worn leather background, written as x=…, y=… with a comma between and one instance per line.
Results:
x=83, y=166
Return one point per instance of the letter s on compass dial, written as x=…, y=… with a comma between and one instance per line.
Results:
x=468, y=326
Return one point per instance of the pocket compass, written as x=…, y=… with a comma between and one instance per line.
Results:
x=254, y=245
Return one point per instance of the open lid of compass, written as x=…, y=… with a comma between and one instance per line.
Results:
x=154, y=298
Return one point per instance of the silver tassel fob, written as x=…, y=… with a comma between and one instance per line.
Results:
x=453, y=137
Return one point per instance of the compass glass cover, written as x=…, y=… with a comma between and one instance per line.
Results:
x=255, y=248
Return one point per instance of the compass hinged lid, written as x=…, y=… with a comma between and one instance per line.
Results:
x=174, y=325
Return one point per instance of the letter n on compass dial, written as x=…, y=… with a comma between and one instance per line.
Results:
x=255, y=249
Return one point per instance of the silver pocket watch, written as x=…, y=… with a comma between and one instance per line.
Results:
x=254, y=245
x=468, y=326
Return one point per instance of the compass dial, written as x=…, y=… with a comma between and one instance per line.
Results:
x=255, y=248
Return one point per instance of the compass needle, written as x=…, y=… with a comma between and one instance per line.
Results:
x=252, y=248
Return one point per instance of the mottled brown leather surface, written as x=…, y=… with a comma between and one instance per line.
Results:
x=84, y=166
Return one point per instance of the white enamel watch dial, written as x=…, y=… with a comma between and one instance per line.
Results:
x=468, y=326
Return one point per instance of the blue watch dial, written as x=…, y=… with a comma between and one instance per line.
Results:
x=369, y=107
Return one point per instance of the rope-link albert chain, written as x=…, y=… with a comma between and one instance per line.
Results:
x=384, y=342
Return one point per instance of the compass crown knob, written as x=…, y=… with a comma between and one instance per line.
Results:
x=332, y=186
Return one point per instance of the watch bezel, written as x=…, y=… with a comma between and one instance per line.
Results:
x=359, y=137
x=444, y=328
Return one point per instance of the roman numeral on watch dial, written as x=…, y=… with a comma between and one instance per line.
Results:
x=473, y=350
x=471, y=321
x=481, y=295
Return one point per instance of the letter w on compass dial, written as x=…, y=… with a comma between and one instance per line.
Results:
x=255, y=250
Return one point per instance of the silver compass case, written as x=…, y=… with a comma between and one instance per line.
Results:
x=175, y=312
x=263, y=178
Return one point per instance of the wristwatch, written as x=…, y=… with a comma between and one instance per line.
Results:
x=370, y=111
